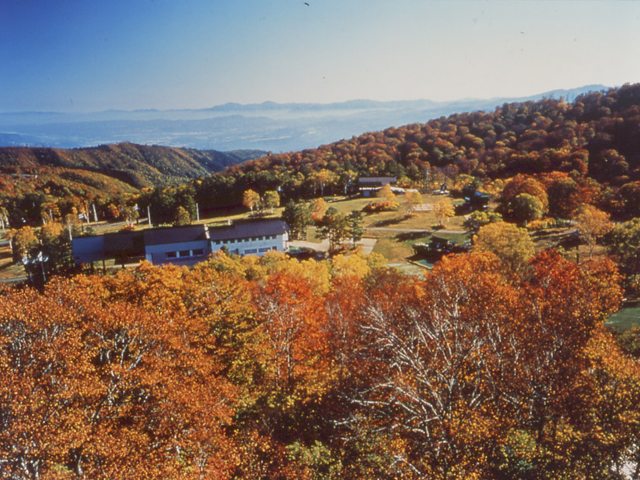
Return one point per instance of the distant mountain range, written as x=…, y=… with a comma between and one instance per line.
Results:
x=266, y=126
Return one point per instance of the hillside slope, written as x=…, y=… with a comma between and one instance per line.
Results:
x=597, y=135
x=138, y=165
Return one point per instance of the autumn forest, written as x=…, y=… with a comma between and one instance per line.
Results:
x=496, y=363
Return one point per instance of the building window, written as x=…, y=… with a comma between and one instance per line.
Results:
x=262, y=250
x=198, y=252
x=250, y=251
x=171, y=254
x=184, y=253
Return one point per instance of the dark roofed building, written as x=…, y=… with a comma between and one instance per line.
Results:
x=165, y=235
x=475, y=199
x=123, y=247
x=185, y=245
x=130, y=244
x=376, y=181
x=369, y=185
x=252, y=237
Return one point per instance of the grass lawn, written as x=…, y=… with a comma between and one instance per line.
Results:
x=8, y=269
x=392, y=250
x=346, y=205
x=625, y=318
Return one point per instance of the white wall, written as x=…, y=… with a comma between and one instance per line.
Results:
x=255, y=245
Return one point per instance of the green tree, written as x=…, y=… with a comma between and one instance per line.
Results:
x=298, y=216
x=163, y=205
x=333, y=226
x=354, y=224
x=271, y=200
x=526, y=207
x=517, y=186
x=562, y=194
x=480, y=218
x=629, y=199
x=130, y=214
x=53, y=254
x=182, y=217
x=624, y=245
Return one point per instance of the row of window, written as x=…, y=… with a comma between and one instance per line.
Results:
x=252, y=251
x=240, y=240
x=197, y=252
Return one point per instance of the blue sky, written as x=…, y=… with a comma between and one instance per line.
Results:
x=90, y=55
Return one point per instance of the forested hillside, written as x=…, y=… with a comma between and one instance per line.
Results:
x=36, y=181
x=138, y=165
x=598, y=134
x=594, y=141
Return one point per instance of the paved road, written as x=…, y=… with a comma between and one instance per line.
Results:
x=13, y=280
x=367, y=245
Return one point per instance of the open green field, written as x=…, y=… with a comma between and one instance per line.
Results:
x=626, y=317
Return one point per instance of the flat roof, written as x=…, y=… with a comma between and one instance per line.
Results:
x=254, y=228
x=169, y=235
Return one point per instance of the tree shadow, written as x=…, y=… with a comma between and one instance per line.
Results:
x=390, y=221
x=405, y=236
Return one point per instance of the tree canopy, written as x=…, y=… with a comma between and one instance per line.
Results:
x=272, y=368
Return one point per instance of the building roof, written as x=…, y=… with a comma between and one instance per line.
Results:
x=254, y=228
x=130, y=243
x=377, y=180
x=171, y=235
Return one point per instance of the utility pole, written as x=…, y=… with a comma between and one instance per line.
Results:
x=95, y=214
x=149, y=215
x=198, y=213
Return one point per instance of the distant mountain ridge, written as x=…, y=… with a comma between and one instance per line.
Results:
x=266, y=126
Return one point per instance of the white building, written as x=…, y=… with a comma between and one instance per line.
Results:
x=185, y=245
x=254, y=237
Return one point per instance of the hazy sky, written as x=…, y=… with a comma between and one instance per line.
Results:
x=88, y=55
